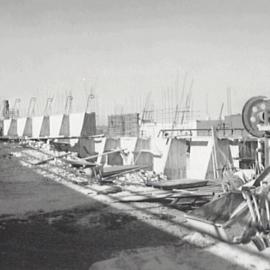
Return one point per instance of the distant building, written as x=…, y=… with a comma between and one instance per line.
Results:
x=204, y=126
x=123, y=125
x=231, y=126
x=234, y=122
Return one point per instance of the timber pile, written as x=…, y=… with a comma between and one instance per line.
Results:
x=185, y=197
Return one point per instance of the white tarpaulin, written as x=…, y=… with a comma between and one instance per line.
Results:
x=55, y=124
x=160, y=148
x=36, y=125
x=6, y=126
x=200, y=154
x=20, y=126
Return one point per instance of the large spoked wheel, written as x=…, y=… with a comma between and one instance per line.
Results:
x=253, y=114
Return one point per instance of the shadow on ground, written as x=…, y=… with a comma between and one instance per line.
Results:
x=44, y=225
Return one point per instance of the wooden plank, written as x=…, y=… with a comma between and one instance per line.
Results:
x=138, y=198
x=79, y=163
x=103, y=154
x=178, y=183
x=114, y=173
x=51, y=158
x=161, y=194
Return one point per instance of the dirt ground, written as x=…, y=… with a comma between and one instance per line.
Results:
x=45, y=223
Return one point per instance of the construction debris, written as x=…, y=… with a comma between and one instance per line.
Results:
x=237, y=217
x=110, y=190
x=178, y=183
x=51, y=158
x=234, y=207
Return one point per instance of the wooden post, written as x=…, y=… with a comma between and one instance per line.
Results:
x=214, y=154
x=266, y=152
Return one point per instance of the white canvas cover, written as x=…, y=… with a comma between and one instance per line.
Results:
x=199, y=158
x=128, y=143
x=20, y=126
x=6, y=126
x=99, y=147
x=36, y=125
x=55, y=124
x=235, y=155
x=75, y=126
x=160, y=147
x=76, y=123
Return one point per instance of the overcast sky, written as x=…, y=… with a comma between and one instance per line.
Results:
x=127, y=48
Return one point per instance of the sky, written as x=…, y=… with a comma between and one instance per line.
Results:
x=124, y=49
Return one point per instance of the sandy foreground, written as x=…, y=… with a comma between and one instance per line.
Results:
x=49, y=222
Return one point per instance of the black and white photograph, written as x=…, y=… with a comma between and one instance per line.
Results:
x=134, y=135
